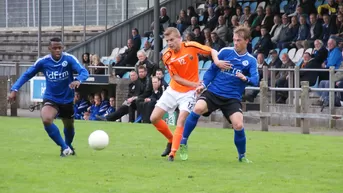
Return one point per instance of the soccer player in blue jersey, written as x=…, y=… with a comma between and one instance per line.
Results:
x=223, y=89
x=58, y=68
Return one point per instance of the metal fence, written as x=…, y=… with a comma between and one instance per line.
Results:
x=24, y=13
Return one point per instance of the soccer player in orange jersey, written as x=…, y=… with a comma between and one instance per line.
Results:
x=181, y=60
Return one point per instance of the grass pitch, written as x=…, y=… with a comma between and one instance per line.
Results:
x=30, y=162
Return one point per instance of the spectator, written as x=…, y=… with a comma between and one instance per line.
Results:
x=339, y=23
x=290, y=35
x=135, y=88
x=91, y=98
x=130, y=58
x=149, y=65
x=303, y=33
x=96, y=62
x=148, y=50
x=282, y=79
x=319, y=53
x=309, y=63
x=212, y=19
x=221, y=30
x=148, y=104
x=147, y=88
x=85, y=59
x=160, y=75
x=198, y=37
x=137, y=42
x=217, y=43
x=308, y=7
x=164, y=18
x=246, y=16
x=189, y=37
x=256, y=24
x=111, y=108
x=275, y=60
x=194, y=24
x=267, y=21
x=328, y=29
x=264, y=44
x=105, y=104
x=80, y=106
x=315, y=33
x=94, y=110
x=330, y=7
x=183, y=21
x=276, y=29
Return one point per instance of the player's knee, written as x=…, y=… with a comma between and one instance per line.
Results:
x=47, y=120
x=237, y=125
x=153, y=118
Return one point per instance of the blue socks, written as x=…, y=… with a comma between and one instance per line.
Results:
x=55, y=135
x=240, y=142
x=69, y=136
x=190, y=124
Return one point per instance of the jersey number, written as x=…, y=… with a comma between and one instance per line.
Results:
x=191, y=106
x=182, y=61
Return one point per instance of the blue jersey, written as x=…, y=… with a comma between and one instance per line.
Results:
x=79, y=108
x=98, y=110
x=58, y=76
x=225, y=83
x=109, y=111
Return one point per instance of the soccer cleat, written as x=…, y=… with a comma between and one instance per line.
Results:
x=67, y=152
x=167, y=150
x=183, y=152
x=244, y=160
x=171, y=158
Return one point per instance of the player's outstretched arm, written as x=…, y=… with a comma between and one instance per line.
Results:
x=185, y=82
x=31, y=72
x=218, y=60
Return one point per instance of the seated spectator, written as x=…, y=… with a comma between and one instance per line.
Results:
x=111, y=108
x=148, y=50
x=80, y=106
x=217, y=43
x=135, y=89
x=275, y=60
x=324, y=96
x=85, y=59
x=221, y=30
x=290, y=35
x=137, y=40
x=330, y=7
x=308, y=7
x=189, y=37
x=247, y=16
x=198, y=36
x=302, y=33
x=283, y=35
x=260, y=64
x=282, y=79
x=194, y=24
x=95, y=109
x=309, y=63
x=147, y=105
x=256, y=24
x=234, y=24
x=334, y=59
x=183, y=21
x=314, y=33
x=129, y=58
x=276, y=29
x=291, y=7
x=160, y=75
x=207, y=35
x=212, y=19
x=339, y=23
x=164, y=18
x=319, y=53
x=105, y=104
x=268, y=19
x=329, y=28
x=96, y=62
x=91, y=98
x=264, y=44
x=143, y=60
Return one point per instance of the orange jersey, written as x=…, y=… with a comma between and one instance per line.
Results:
x=184, y=63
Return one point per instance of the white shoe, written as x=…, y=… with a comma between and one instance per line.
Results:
x=66, y=152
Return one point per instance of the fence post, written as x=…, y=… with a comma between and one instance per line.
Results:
x=272, y=84
x=265, y=73
x=297, y=94
x=332, y=122
x=264, y=106
x=15, y=105
x=290, y=85
x=305, y=104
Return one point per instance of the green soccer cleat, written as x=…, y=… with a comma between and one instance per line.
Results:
x=183, y=152
x=244, y=160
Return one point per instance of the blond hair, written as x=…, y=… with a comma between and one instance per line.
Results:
x=172, y=30
x=243, y=32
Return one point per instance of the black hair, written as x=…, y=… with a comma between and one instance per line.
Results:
x=55, y=40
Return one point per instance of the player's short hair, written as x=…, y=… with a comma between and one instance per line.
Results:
x=243, y=31
x=55, y=40
x=142, y=67
x=171, y=30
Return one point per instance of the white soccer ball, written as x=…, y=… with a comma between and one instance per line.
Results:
x=98, y=140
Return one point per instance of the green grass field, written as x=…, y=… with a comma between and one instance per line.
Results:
x=282, y=162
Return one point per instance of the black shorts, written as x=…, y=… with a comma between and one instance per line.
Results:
x=214, y=102
x=65, y=111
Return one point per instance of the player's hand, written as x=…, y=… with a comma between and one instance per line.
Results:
x=241, y=76
x=75, y=84
x=224, y=65
x=199, y=89
x=12, y=97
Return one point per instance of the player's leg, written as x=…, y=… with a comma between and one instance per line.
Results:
x=235, y=115
x=48, y=114
x=164, y=104
x=69, y=132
